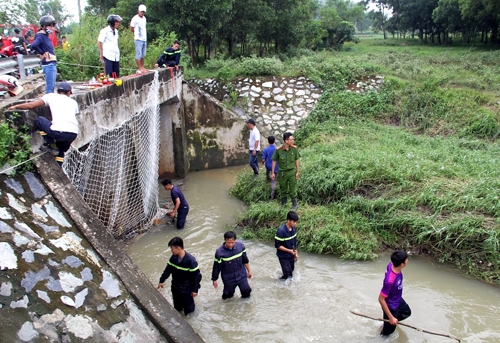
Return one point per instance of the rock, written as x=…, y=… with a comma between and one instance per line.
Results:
x=254, y=94
x=279, y=98
x=266, y=95
x=268, y=84
x=300, y=93
x=255, y=89
x=277, y=90
x=299, y=101
x=289, y=104
x=67, y=301
x=262, y=101
x=289, y=90
x=8, y=258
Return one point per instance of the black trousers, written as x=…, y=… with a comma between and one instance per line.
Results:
x=183, y=301
x=401, y=313
x=287, y=266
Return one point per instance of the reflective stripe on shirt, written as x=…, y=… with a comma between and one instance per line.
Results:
x=226, y=259
x=184, y=269
x=286, y=238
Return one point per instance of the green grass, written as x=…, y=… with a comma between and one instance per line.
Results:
x=413, y=166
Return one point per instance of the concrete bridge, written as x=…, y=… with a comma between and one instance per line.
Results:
x=197, y=131
x=63, y=276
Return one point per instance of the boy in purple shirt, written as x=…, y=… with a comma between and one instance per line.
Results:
x=391, y=296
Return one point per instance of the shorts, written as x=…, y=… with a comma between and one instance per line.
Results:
x=140, y=49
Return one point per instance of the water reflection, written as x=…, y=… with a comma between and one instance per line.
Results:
x=314, y=306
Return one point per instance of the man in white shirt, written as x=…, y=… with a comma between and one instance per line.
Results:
x=254, y=146
x=107, y=43
x=138, y=27
x=64, y=126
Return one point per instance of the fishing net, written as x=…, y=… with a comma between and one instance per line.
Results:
x=117, y=172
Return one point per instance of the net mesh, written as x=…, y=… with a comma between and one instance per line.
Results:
x=117, y=172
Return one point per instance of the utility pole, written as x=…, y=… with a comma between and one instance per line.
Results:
x=79, y=10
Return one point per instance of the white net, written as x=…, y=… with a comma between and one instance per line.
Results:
x=117, y=173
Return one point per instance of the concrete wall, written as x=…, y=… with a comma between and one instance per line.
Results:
x=216, y=137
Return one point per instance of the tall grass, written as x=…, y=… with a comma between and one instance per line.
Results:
x=414, y=165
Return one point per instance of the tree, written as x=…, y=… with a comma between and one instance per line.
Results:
x=100, y=6
x=379, y=17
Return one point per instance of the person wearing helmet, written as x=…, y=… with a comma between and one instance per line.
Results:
x=138, y=27
x=107, y=43
x=43, y=46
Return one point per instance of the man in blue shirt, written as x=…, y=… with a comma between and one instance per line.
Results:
x=267, y=161
x=43, y=46
x=285, y=242
x=181, y=207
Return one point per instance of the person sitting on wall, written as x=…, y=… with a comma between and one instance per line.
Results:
x=170, y=57
x=63, y=129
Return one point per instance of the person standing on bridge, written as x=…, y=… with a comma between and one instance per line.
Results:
x=254, y=146
x=390, y=298
x=285, y=242
x=186, y=276
x=181, y=206
x=19, y=43
x=63, y=129
x=107, y=44
x=287, y=158
x=43, y=46
x=170, y=57
x=138, y=27
x=231, y=262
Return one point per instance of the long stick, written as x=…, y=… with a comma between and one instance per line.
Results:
x=407, y=325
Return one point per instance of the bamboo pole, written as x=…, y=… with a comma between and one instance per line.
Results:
x=407, y=325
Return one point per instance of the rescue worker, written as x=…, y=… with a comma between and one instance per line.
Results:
x=231, y=262
x=63, y=129
x=43, y=46
x=285, y=242
x=287, y=158
x=170, y=57
x=181, y=206
x=186, y=276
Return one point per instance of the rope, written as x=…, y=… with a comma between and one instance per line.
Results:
x=17, y=165
x=91, y=66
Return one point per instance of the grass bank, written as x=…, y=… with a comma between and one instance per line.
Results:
x=414, y=166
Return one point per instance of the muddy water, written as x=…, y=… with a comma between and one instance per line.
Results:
x=314, y=306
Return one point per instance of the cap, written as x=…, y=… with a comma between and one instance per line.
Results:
x=64, y=86
x=142, y=8
x=250, y=121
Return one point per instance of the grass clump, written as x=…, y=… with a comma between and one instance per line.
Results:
x=413, y=165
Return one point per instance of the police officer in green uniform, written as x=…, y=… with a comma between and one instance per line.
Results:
x=287, y=157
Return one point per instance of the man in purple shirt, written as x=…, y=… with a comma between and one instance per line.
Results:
x=181, y=206
x=391, y=296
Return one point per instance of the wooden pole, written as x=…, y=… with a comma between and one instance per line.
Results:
x=407, y=325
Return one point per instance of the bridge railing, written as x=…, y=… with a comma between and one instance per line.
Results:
x=19, y=64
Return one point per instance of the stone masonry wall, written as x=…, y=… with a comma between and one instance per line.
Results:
x=63, y=278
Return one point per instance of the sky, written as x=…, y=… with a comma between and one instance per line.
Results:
x=72, y=8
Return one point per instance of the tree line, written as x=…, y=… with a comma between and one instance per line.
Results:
x=245, y=27
x=439, y=20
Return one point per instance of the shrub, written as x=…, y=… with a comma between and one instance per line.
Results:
x=253, y=66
